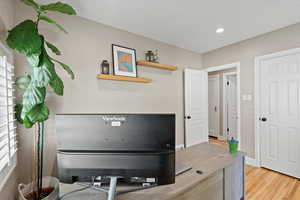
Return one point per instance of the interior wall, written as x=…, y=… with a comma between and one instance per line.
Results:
x=7, y=11
x=84, y=48
x=245, y=53
x=220, y=73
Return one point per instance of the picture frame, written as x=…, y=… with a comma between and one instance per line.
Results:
x=124, y=61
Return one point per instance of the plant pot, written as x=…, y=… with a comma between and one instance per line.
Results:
x=50, y=187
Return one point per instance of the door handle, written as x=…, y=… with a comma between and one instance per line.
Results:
x=263, y=119
x=187, y=117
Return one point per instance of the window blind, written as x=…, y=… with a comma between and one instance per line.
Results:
x=8, y=140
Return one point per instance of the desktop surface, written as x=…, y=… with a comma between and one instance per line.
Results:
x=209, y=158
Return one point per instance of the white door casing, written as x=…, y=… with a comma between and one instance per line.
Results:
x=230, y=114
x=237, y=66
x=214, y=105
x=278, y=111
x=196, y=106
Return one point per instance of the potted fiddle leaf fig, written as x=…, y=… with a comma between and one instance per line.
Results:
x=26, y=39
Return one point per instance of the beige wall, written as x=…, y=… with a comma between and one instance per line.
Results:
x=245, y=52
x=7, y=10
x=86, y=45
x=220, y=73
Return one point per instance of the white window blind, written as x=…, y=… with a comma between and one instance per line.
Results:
x=8, y=141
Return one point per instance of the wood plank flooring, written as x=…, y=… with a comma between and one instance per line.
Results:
x=212, y=139
x=264, y=184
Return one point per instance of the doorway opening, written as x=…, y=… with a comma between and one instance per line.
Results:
x=224, y=103
x=203, y=104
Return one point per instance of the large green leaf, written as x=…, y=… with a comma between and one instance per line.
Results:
x=51, y=21
x=34, y=60
x=22, y=82
x=66, y=68
x=57, y=85
x=32, y=96
x=27, y=123
x=59, y=7
x=45, y=72
x=25, y=39
x=18, y=110
x=31, y=3
x=42, y=75
x=38, y=113
x=53, y=48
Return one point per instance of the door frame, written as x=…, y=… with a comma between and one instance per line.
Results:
x=217, y=76
x=258, y=59
x=224, y=98
x=236, y=65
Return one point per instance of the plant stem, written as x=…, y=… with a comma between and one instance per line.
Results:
x=40, y=159
x=42, y=154
x=38, y=163
x=37, y=21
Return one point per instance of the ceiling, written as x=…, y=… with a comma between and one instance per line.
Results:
x=192, y=24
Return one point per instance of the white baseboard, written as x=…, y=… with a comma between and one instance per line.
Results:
x=179, y=147
x=251, y=161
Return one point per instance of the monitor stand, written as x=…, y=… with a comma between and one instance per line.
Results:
x=112, y=191
x=112, y=188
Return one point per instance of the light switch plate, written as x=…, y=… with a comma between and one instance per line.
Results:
x=249, y=97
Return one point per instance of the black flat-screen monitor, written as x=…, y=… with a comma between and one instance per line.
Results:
x=122, y=145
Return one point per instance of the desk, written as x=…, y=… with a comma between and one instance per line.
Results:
x=222, y=178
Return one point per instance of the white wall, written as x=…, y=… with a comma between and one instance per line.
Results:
x=86, y=45
x=245, y=52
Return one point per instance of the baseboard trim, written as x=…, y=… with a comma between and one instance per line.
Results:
x=251, y=161
x=179, y=147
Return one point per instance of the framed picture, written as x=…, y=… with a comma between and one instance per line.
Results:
x=124, y=61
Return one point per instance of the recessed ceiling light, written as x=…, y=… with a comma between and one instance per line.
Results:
x=220, y=30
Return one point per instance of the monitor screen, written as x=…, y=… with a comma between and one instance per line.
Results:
x=126, y=145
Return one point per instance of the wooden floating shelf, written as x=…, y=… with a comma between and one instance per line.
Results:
x=123, y=78
x=156, y=65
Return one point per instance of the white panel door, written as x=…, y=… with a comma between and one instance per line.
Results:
x=196, y=107
x=280, y=113
x=213, y=105
x=231, y=106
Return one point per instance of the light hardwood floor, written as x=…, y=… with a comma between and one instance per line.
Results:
x=264, y=184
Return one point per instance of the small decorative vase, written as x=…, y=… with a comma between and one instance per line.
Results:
x=105, y=67
x=155, y=56
x=149, y=56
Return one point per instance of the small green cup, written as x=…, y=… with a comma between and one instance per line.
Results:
x=233, y=146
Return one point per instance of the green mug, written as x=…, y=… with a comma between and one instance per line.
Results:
x=233, y=146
